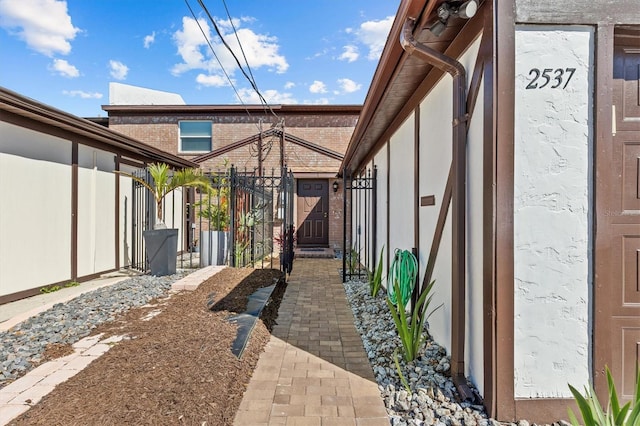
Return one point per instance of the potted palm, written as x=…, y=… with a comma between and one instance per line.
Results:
x=214, y=208
x=161, y=244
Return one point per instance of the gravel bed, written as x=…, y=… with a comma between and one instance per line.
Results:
x=22, y=347
x=433, y=399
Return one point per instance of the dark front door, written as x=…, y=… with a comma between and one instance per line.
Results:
x=617, y=292
x=313, y=213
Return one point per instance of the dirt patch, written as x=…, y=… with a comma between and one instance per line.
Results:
x=175, y=368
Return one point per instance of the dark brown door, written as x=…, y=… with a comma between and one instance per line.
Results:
x=617, y=292
x=313, y=213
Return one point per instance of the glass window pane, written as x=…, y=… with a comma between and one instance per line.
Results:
x=196, y=144
x=195, y=128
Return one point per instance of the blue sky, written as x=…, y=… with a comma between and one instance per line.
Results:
x=65, y=53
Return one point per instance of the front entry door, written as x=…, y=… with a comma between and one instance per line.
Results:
x=313, y=213
x=617, y=292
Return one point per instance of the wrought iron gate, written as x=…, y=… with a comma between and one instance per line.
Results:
x=254, y=210
x=143, y=212
x=359, y=236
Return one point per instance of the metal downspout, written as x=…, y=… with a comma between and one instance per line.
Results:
x=458, y=199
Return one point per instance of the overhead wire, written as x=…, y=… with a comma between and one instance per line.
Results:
x=206, y=38
x=250, y=77
x=224, y=42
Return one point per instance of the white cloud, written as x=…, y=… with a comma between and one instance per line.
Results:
x=260, y=50
x=64, y=68
x=318, y=87
x=212, y=80
x=289, y=85
x=249, y=96
x=44, y=25
x=350, y=53
x=82, y=94
x=149, y=39
x=119, y=70
x=374, y=34
x=348, y=86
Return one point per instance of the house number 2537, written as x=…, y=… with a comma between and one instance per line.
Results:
x=549, y=77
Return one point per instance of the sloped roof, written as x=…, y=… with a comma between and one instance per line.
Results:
x=396, y=80
x=19, y=105
x=270, y=132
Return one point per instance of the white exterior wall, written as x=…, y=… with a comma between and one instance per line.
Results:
x=401, y=192
x=35, y=219
x=552, y=218
x=173, y=213
x=96, y=211
x=474, y=344
x=435, y=161
x=125, y=232
x=380, y=160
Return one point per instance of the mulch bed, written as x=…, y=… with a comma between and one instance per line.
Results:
x=177, y=368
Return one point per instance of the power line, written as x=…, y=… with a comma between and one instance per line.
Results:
x=224, y=42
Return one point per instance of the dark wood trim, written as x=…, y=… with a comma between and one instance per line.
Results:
x=47, y=119
x=503, y=135
x=575, y=12
x=478, y=70
x=392, y=59
x=462, y=41
x=128, y=162
x=12, y=297
x=416, y=179
x=428, y=200
x=271, y=132
x=74, y=210
x=388, y=250
x=439, y=230
x=603, y=101
x=117, y=210
x=489, y=218
x=67, y=133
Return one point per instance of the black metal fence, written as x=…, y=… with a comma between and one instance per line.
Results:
x=359, y=238
x=246, y=219
x=143, y=213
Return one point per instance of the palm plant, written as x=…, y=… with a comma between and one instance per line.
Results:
x=593, y=414
x=164, y=182
x=411, y=326
x=375, y=278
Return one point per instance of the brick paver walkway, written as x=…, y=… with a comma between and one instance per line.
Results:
x=314, y=370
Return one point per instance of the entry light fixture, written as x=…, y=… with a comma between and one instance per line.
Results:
x=335, y=186
x=464, y=10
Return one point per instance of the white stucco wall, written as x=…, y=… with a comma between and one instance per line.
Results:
x=125, y=232
x=435, y=161
x=96, y=211
x=380, y=160
x=552, y=219
x=35, y=218
x=474, y=343
x=173, y=210
x=401, y=188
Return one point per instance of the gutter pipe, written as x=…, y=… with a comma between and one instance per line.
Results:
x=458, y=199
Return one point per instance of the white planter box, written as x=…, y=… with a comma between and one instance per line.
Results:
x=213, y=247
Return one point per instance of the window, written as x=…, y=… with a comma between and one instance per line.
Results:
x=195, y=136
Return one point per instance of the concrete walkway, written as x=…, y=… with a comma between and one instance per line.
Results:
x=314, y=370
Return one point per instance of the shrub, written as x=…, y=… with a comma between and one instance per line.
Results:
x=594, y=414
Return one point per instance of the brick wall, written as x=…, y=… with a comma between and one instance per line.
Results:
x=327, y=130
